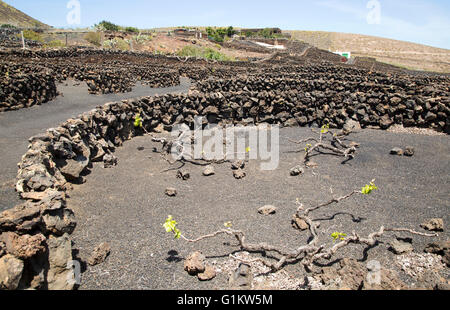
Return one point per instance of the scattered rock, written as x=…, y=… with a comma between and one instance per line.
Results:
x=299, y=223
x=208, y=274
x=311, y=164
x=209, y=171
x=171, y=192
x=436, y=224
x=267, y=210
x=242, y=278
x=195, y=263
x=11, y=270
x=109, y=160
x=140, y=148
x=397, y=151
x=409, y=151
x=239, y=174
x=184, y=175
x=240, y=164
x=400, y=247
x=296, y=171
x=99, y=255
x=440, y=248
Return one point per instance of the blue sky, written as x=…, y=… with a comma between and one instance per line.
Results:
x=420, y=21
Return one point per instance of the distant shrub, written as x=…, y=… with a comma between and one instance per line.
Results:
x=32, y=35
x=54, y=43
x=131, y=29
x=191, y=51
x=142, y=38
x=208, y=53
x=105, y=25
x=117, y=43
x=94, y=38
x=219, y=34
x=8, y=26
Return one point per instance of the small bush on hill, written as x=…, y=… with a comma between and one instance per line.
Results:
x=94, y=38
x=131, y=29
x=208, y=53
x=105, y=25
x=32, y=35
x=54, y=43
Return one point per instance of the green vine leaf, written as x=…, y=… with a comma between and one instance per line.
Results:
x=138, y=121
x=368, y=189
x=325, y=128
x=171, y=226
x=338, y=236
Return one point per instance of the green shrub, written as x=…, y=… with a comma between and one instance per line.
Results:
x=116, y=43
x=219, y=34
x=8, y=26
x=105, y=25
x=54, y=43
x=208, y=53
x=94, y=38
x=32, y=35
x=131, y=29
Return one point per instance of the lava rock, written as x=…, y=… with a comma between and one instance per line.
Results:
x=409, y=151
x=239, y=174
x=100, y=253
x=195, y=263
x=209, y=171
x=267, y=210
x=208, y=274
x=397, y=151
x=109, y=160
x=11, y=270
x=400, y=247
x=296, y=171
x=436, y=224
x=171, y=192
x=240, y=164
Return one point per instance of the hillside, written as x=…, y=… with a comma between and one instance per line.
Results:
x=12, y=16
x=404, y=54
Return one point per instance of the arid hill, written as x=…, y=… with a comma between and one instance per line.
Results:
x=12, y=16
x=404, y=54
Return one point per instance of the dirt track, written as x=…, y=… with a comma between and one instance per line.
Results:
x=126, y=207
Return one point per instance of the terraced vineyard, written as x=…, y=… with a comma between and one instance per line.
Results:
x=310, y=89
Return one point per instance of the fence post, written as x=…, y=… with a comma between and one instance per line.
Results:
x=23, y=40
x=66, y=38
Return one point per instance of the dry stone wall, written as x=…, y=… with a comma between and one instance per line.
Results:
x=22, y=87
